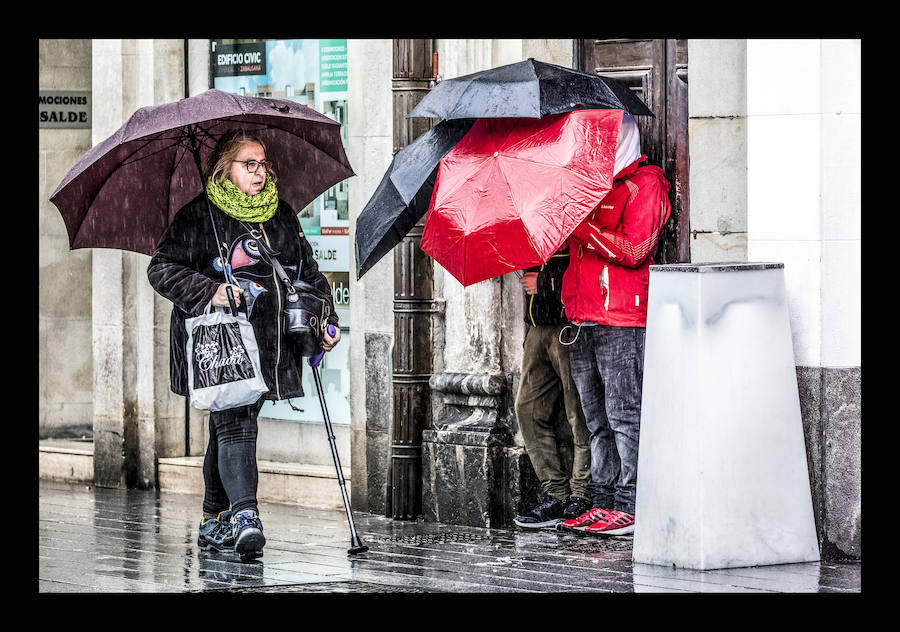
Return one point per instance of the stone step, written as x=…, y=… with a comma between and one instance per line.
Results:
x=66, y=460
x=294, y=483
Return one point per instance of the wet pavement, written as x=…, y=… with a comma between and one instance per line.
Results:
x=126, y=541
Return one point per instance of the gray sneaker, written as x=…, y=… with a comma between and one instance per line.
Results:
x=216, y=533
x=247, y=531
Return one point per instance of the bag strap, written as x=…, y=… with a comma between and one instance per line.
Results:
x=226, y=267
x=282, y=274
x=270, y=253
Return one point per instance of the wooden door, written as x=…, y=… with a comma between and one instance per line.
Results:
x=656, y=69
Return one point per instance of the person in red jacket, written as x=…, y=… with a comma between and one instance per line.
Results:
x=605, y=297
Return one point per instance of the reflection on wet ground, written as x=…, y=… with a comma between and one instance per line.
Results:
x=106, y=540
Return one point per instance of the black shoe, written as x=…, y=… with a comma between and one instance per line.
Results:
x=216, y=533
x=247, y=533
x=575, y=506
x=548, y=513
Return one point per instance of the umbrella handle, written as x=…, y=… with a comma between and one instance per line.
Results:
x=314, y=361
x=231, y=302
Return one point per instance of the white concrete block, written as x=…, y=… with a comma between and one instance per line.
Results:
x=803, y=279
x=783, y=76
x=784, y=177
x=722, y=474
x=841, y=176
x=841, y=303
x=841, y=76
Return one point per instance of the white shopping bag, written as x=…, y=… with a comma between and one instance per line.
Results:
x=222, y=361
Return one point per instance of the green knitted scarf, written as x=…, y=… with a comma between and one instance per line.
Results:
x=243, y=207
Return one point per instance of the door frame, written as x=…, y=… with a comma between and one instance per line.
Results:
x=670, y=68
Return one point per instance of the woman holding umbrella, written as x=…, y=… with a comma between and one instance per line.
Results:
x=226, y=238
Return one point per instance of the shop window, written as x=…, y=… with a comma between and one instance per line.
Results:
x=312, y=72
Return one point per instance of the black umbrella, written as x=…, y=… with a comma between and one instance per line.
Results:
x=124, y=191
x=404, y=193
x=530, y=89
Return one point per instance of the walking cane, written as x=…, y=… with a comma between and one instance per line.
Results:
x=356, y=545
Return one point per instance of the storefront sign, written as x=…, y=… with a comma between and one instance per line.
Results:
x=234, y=60
x=332, y=253
x=340, y=288
x=333, y=65
x=64, y=109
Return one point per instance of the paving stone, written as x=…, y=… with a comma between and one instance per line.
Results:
x=94, y=540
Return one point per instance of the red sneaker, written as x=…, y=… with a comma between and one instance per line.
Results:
x=615, y=523
x=586, y=519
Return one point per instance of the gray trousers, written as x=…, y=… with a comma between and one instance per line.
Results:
x=608, y=368
x=547, y=379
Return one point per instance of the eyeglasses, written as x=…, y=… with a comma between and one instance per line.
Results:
x=253, y=165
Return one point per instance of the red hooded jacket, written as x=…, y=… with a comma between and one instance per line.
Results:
x=612, y=249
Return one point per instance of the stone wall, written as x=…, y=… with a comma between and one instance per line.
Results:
x=65, y=361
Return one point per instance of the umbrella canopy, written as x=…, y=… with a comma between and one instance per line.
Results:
x=404, y=193
x=529, y=89
x=508, y=195
x=125, y=191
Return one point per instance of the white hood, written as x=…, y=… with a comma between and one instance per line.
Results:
x=628, y=147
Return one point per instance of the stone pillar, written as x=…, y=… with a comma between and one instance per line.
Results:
x=107, y=300
x=717, y=127
x=369, y=149
x=128, y=337
x=176, y=409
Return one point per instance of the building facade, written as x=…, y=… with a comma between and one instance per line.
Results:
x=768, y=169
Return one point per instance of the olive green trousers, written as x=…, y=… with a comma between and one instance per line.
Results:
x=546, y=381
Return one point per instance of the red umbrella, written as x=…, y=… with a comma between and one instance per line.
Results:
x=508, y=195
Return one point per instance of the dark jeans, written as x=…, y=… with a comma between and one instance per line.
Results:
x=547, y=379
x=229, y=467
x=608, y=367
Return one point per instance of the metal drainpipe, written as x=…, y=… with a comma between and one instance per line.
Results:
x=413, y=65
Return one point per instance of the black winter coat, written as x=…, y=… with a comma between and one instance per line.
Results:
x=545, y=307
x=186, y=269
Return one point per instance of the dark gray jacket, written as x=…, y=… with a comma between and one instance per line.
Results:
x=187, y=269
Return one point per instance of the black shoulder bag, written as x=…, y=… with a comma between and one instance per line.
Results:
x=306, y=312
x=306, y=307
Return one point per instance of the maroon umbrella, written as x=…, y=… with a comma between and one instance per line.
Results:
x=125, y=191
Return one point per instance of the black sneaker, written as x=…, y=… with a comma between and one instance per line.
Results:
x=575, y=506
x=215, y=533
x=548, y=513
x=247, y=533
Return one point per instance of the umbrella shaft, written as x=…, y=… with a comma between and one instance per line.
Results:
x=194, y=147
